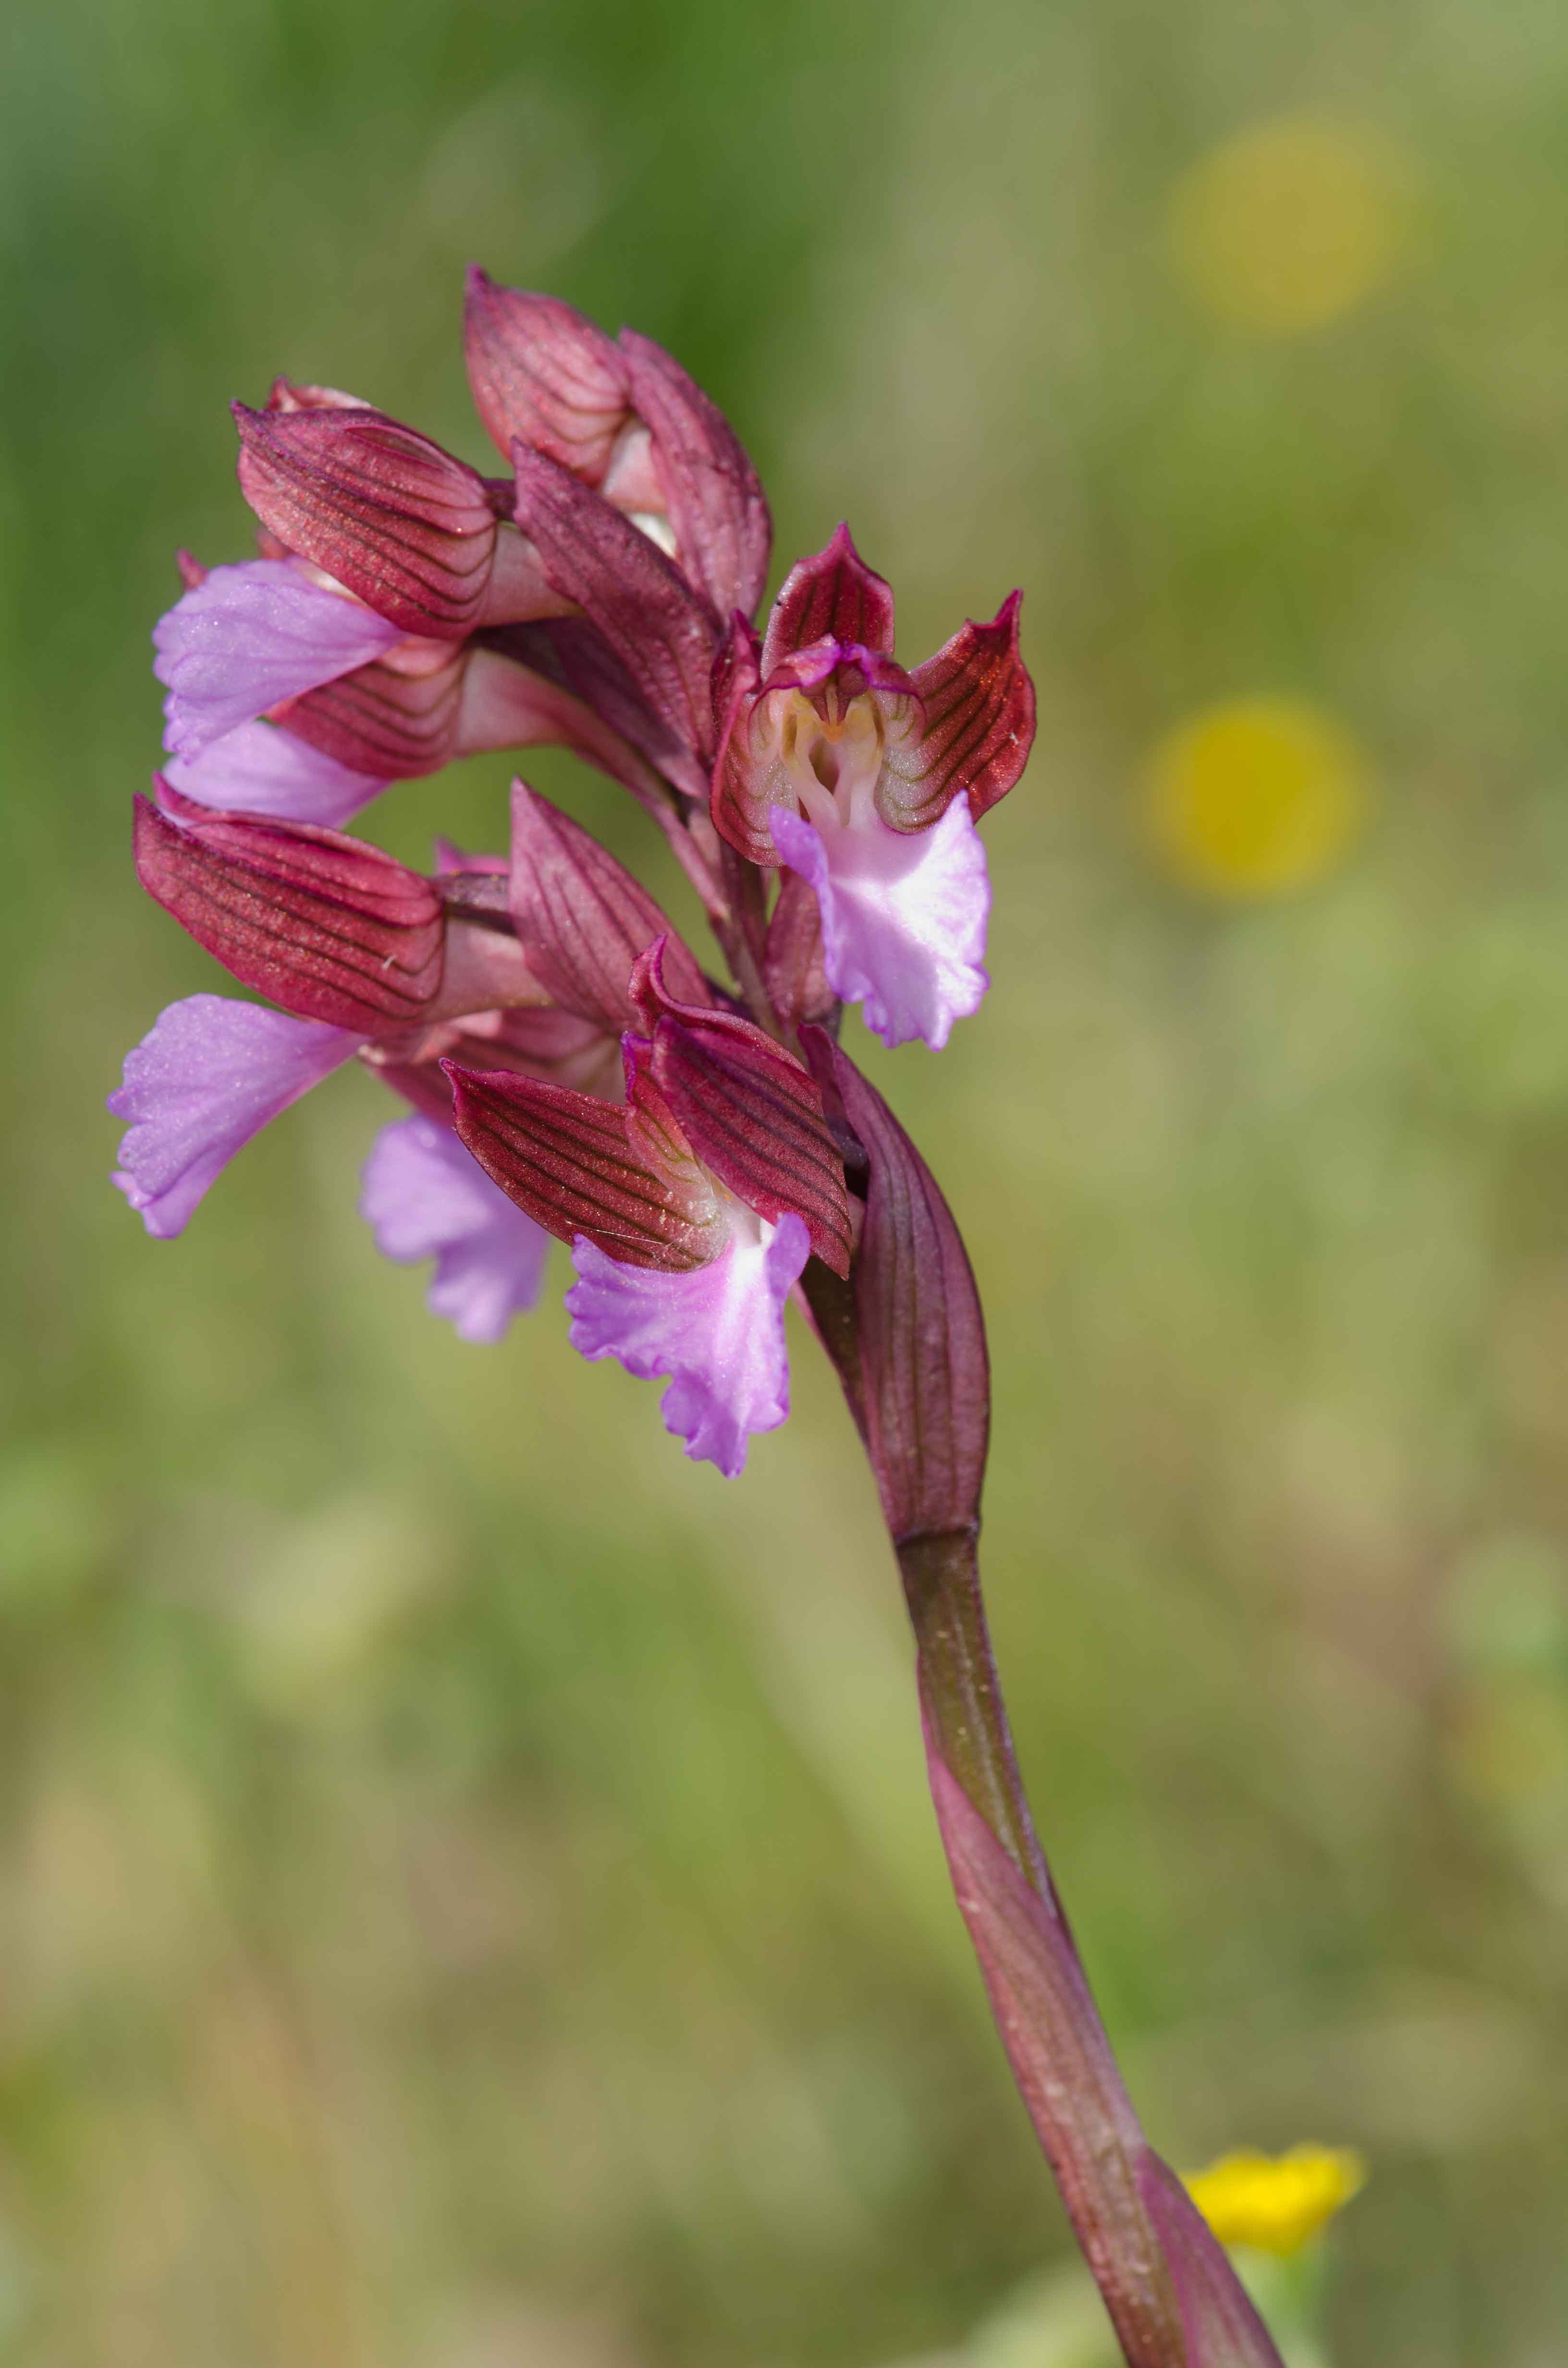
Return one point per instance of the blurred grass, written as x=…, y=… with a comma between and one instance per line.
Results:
x=468, y=1896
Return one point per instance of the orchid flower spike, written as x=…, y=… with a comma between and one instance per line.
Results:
x=868, y=781
x=691, y=1209
x=566, y=1067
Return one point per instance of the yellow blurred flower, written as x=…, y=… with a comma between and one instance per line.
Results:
x=1291, y=223
x=1254, y=797
x=1275, y=2203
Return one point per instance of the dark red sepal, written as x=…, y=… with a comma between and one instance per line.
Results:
x=717, y=508
x=750, y=1111
x=543, y=375
x=386, y=511
x=326, y=925
x=832, y=596
x=978, y=720
x=385, y=721
x=570, y=1162
x=661, y=633
x=573, y=654
x=738, y=803
x=583, y=920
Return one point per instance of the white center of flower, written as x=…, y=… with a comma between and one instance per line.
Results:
x=658, y=530
x=833, y=767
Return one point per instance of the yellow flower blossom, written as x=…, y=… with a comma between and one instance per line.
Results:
x=1291, y=223
x=1275, y=2203
x=1254, y=798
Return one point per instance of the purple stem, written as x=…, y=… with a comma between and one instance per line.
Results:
x=1045, y=2014
x=961, y=1688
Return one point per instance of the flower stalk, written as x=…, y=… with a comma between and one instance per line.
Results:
x=960, y=1690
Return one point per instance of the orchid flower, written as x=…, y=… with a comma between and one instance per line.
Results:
x=566, y=1067
x=370, y=958
x=868, y=782
x=691, y=1210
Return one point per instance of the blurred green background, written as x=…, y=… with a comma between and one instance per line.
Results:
x=468, y=1896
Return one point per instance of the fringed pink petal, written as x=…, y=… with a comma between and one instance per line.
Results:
x=211, y=1073
x=250, y=636
x=904, y=916
x=426, y=1197
x=717, y=1331
x=289, y=394
x=258, y=769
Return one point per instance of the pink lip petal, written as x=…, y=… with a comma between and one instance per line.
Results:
x=904, y=916
x=717, y=1331
x=258, y=769
x=423, y=1197
x=249, y=637
x=207, y=1076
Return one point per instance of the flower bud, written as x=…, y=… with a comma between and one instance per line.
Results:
x=326, y=925
x=389, y=515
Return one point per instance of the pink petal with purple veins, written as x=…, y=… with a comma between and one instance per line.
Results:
x=258, y=769
x=423, y=1197
x=718, y=1332
x=904, y=916
x=248, y=636
x=209, y=1077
